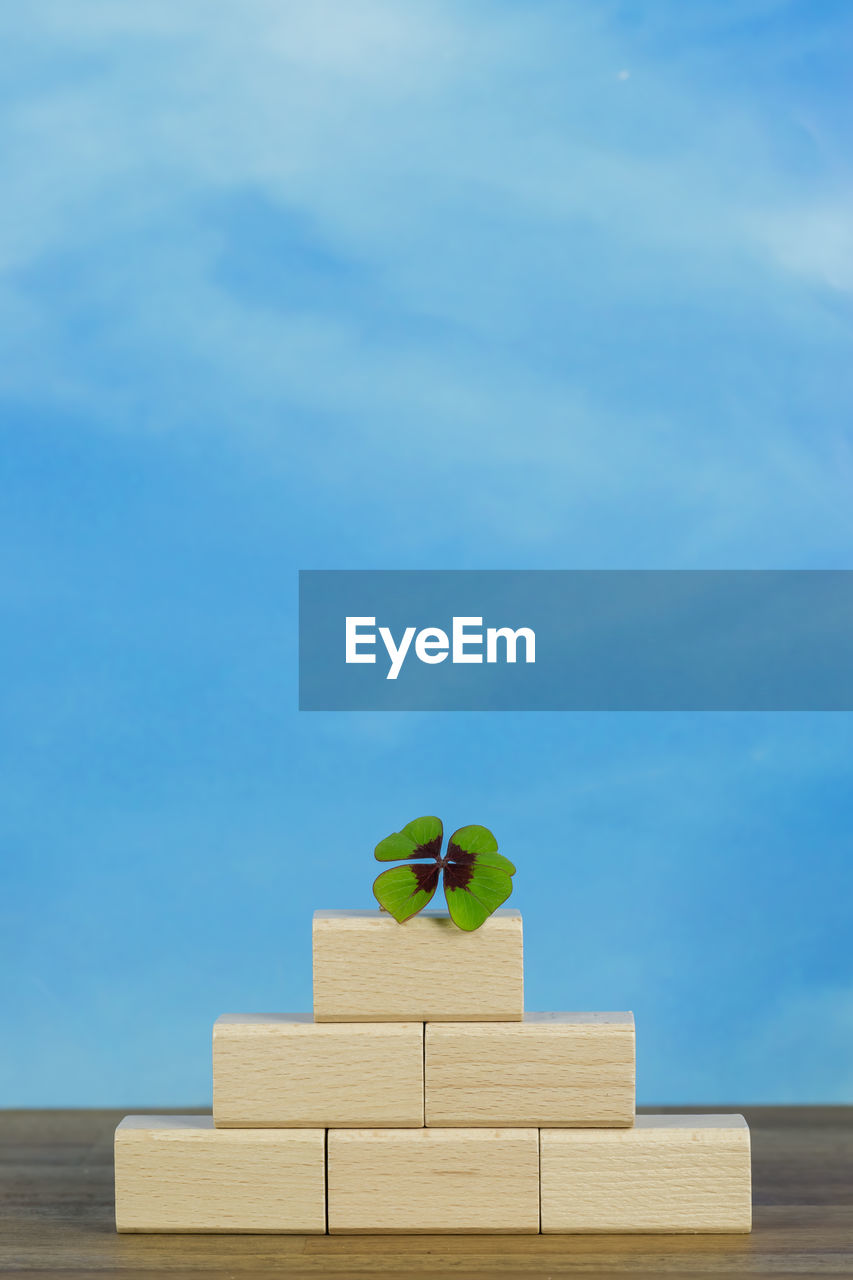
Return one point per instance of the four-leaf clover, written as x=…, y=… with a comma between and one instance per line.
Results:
x=477, y=879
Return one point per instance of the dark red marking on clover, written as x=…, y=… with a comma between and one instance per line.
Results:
x=426, y=879
x=459, y=855
x=457, y=876
x=457, y=865
x=432, y=849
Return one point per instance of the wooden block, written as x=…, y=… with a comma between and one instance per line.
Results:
x=433, y=1180
x=179, y=1173
x=551, y=1070
x=368, y=968
x=667, y=1173
x=285, y=1069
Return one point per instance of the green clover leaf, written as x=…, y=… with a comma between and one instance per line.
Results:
x=477, y=879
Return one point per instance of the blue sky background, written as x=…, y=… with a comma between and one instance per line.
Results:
x=429, y=285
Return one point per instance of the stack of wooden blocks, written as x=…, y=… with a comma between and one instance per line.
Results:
x=420, y=1097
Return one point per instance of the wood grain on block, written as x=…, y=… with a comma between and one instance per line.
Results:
x=285, y=1069
x=179, y=1173
x=433, y=1180
x=552, y=1069
x=668, y=1173
x=369, y=968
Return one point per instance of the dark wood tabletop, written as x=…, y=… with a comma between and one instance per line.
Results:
x=56, y=1218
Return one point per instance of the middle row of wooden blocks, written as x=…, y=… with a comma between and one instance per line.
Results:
x=572, y=1070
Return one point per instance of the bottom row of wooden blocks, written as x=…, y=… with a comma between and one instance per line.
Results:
x=668, y=1173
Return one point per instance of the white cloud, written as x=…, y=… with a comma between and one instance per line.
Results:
x=509, y=212
x=816, y=242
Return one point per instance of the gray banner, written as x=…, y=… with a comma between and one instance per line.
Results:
x=575, y=640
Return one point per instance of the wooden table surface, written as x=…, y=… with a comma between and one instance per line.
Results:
x=56, y=1218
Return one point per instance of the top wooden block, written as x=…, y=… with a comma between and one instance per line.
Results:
x=368, y=968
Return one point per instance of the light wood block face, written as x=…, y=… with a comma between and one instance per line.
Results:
x=551, y=1070
x=667, y=1173
x=368, y=968
x=179, y=1173
x=433, y=1180
x=285, y=1069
